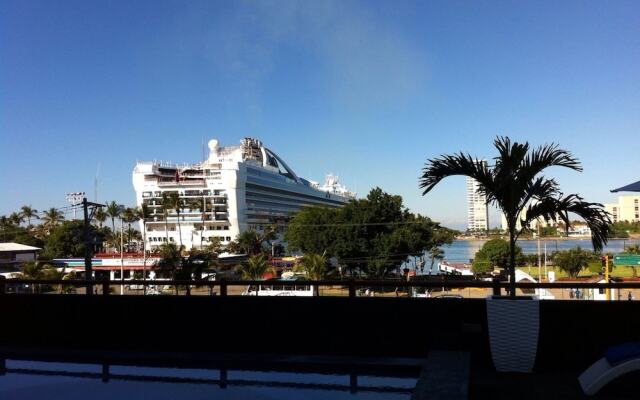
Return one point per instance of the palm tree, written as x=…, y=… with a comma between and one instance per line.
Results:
x=215, y=246
x=143, y=213
x=100, y=216
x=114, y=210
x=199, y=204
x=315, y=266
x=51, y=218
x=515, y=185
x=28, y=212
x=172, y=201
x=254, y=269
x=129, y=215
x=248, y=242
x=16, y=218
x=170, y=259
x=113, y=240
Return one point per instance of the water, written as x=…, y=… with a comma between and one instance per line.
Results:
x=47, y=380
x=461, y=251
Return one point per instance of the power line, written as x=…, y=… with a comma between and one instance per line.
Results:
x=372, y=224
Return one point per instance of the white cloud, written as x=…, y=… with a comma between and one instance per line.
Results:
x=361, y=59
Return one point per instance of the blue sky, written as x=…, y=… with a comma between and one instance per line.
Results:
x=366, y=90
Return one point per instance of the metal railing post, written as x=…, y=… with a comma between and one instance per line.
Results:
x=496, y=286
x=3, y=285
x=105, y=286
x=352, y=288
x=223, y=287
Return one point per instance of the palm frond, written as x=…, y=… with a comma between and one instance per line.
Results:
x=554, y=209
x=437, y=169
x=550, y=155
x=594, y=215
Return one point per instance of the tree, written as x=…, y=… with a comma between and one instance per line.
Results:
x=129, y=215
x=515, y=185
x=255, y=267
x=143, y=213
x=312, y=230
x=435, y=253
x=315, y=266
x=19, y=234
x=633, y=249
x=16, y=218
x=194, y=265
x=171, y=202
x=494, y=253
x=35, y=270
x=114, y=211
x=170, y=259
x=51, y=218
x=100, y=216
x=214, y=247
x=199, y=203
x=249, y=242
x=572, y=261
x=374, y=235
x=67, y=240
x=28, y=212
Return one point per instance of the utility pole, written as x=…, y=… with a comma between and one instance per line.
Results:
x=121, y=257
x=606, y=276
x=88, y=245
x=539, y=259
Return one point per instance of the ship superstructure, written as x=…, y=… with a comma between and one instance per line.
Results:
x=236, y=188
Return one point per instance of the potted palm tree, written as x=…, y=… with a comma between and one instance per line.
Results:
x=515, y=184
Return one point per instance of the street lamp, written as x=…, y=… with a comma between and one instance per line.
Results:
x=74, y=198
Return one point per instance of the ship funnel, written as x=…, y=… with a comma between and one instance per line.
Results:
x=213, y=149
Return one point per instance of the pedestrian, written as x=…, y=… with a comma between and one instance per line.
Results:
x=629, y=296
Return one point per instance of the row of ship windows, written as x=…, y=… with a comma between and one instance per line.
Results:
x=302, y=201
x=186, y=193
x=197, y=227
x=164, y=239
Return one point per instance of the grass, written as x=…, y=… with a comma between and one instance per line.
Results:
x=616, y=272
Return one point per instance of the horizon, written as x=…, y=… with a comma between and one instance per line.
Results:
x=365, y=90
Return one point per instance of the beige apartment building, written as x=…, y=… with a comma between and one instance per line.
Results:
x=626, y=209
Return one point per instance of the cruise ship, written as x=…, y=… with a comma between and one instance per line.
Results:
x=235, y=189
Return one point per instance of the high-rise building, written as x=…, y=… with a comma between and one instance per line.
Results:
x=626, y=209
x=478, y=210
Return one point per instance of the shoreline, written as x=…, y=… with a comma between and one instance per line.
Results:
x=546, y=238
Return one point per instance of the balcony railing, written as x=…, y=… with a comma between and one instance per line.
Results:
x=194, y=182
x=337, y=287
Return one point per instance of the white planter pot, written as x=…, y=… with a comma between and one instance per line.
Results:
x=513, y=332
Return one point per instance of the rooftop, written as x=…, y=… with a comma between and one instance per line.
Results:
x=17, y=247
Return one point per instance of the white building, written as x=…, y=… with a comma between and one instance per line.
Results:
x=477, y=210
x=236, y=188
x=14, y=254
x=626, y=209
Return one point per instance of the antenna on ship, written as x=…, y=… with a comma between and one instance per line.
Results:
x=202, y=144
